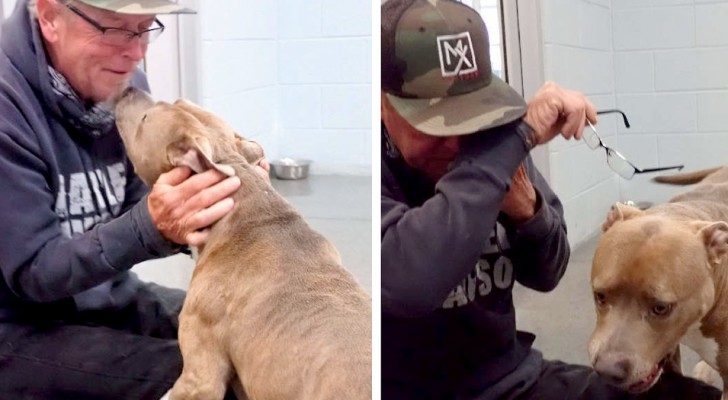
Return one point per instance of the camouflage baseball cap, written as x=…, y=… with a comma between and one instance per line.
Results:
x=139, y=6
x=436, y=69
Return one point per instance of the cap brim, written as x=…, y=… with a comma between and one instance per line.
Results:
x=492, y=106
x=138, y=7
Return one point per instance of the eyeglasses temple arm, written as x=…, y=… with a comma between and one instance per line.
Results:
x=643, y=171
x=624, y=116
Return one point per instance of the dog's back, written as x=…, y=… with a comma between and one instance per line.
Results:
x=707, y=200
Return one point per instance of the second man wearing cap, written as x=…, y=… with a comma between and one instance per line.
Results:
x=465, y=215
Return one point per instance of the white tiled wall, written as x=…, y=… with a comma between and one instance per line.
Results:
x=293, y=75
x=683, y=46
x=665, y=64
x=578, y=54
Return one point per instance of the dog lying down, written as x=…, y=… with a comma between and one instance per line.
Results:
x=660, y=277
x=269, y=306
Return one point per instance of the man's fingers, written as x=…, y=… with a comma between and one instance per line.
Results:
x=520, y=179
x=209, y=215
x=203, y=180
x=591, y=112
x=197, y=238
x=181, y=209
x=265, y=165
x=520, y=172
x=568, y=128
x=174, y=176
x=577, y=109
x=207, y=196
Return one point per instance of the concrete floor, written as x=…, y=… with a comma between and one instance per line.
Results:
x=338, y=207
x=563, y=319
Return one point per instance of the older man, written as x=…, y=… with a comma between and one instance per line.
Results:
x=75, y=323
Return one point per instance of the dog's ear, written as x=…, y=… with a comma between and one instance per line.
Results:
x=252, y=151
x=715, y=237
x=195, y=152
x=620, y=212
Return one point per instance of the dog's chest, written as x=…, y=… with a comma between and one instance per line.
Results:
x=707, y=348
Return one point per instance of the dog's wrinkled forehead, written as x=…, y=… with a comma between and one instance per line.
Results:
x=649, y=255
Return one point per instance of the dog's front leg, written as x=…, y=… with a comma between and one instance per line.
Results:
x=206, y=371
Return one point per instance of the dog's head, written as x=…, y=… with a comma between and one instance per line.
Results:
x=651, y=280
x=159, y=136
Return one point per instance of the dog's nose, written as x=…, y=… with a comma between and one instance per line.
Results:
x=615, y=370
x=128, y=91
x=114, y=100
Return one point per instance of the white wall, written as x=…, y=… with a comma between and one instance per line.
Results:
x=671, y=63
x=577, y=40
x=665, y=64
x=293, y=75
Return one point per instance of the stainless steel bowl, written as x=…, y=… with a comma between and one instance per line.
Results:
x=288, y=168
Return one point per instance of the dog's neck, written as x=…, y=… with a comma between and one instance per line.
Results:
x=720, y=282
x=258, y=208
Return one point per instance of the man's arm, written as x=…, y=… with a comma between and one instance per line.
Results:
x=37, y=261
x=427, y=250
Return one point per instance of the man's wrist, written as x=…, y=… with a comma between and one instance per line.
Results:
x=528, y=134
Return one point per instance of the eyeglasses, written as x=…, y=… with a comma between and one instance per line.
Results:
x=120, y=37
x=616, y=161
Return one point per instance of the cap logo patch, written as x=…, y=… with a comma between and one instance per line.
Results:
x=456, y=55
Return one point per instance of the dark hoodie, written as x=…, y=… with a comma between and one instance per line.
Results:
x=449, y=262
x=74, y=212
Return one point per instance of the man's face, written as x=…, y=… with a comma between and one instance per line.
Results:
x=96, y=70
x=430, y=154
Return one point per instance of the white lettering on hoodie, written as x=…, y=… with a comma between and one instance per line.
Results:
x=75, y=205
x=493, y=270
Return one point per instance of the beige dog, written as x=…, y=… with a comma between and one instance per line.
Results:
x=269, y=304
x=660, y=277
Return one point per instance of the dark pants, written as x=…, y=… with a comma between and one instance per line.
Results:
x=125, y=354
x=560, y=381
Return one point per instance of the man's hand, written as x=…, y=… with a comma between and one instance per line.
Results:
x=182, y=207
x=520, y=201
x=263, y=168
x=555, y=110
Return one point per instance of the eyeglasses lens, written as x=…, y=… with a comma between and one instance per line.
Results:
x=120, y=37
x=619, y=164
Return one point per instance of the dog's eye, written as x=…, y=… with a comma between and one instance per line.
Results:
x=600, y=298
x=661, y=309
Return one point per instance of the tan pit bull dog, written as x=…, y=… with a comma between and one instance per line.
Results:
x=269, y=305
x=660, y=278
